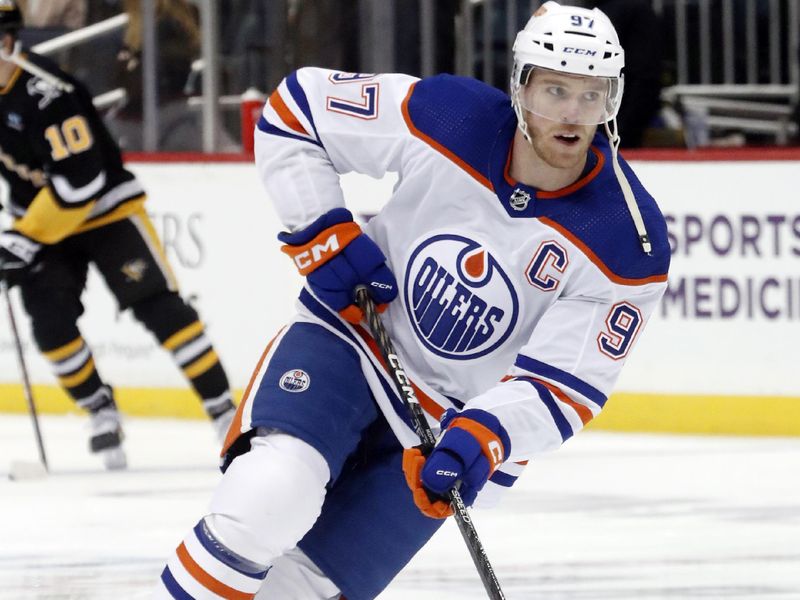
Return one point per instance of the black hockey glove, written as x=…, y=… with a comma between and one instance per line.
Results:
x=17, y=252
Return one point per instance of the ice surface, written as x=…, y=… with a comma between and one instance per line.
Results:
x=609, y=516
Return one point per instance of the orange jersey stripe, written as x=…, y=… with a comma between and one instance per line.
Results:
x=540, y=195
x=474, y=173
x=584, y=412
x=286, y=115
x=209, y=582
x=596, y=260
x=236, y=424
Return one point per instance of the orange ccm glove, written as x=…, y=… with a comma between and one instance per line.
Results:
x=473, y=446
x=336, y=257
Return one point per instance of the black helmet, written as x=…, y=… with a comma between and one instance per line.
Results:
x=10, y=17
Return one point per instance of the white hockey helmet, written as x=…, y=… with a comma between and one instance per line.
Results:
x=573, y=41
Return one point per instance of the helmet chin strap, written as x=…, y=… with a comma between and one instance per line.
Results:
x=614, y=140
x=518, y=110
x=627, y=192
x=16, y=57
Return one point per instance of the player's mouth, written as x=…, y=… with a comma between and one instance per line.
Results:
x=568, y=139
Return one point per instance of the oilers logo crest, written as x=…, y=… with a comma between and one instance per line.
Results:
x=295, y=381
x=460, y=302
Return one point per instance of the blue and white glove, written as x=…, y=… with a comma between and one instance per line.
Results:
x=473, y=446
x=17, y=252
x=336, y=256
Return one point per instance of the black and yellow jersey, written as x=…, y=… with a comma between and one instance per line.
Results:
x=64, y=171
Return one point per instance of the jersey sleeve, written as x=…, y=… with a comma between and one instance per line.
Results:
x=64, y=142
x=66, y=145
x=48, y=221
x=319, y=124
x=563, y=376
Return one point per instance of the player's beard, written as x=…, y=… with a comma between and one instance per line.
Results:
x=555, y=153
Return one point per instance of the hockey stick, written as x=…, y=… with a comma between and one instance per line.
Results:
x=15, y=56
x=21, y=470
x=423, y=430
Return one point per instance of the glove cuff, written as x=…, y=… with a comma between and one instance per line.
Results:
x=322, y=248
x=487, y=431
x=19, y=245
x=305, y=235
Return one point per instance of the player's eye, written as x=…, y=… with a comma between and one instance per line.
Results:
x=591, y=96
x=557, y=91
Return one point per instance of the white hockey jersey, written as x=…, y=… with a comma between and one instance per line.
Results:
x=517, y=301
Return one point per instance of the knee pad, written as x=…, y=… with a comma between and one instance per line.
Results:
x=269, y=497
x=164, y=314
x=204, y=568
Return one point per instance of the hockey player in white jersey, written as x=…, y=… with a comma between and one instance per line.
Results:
x=518, y=260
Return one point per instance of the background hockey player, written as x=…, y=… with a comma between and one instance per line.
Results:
x=73, y=203
x=517, y=260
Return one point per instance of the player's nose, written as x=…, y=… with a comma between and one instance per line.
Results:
x=571, y=111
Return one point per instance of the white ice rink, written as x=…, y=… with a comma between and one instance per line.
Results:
x=609, y=516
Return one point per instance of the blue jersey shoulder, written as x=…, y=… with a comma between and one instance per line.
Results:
x=462, y=115
x=597, y=217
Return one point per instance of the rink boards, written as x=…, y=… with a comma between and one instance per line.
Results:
x=719, y=355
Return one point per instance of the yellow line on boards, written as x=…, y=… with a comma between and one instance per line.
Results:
x=703, y=414
x=625, y=411
x=143, y=402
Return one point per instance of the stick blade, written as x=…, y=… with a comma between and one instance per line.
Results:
x=26, y=470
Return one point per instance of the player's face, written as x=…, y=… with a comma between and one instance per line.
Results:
x=562, y=112
x=560, y=145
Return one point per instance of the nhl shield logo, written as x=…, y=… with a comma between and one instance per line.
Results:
x=519, y=199
x=295, y=381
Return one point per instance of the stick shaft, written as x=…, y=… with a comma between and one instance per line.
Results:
x=428, y=440
x=26, y=382
x=23, y=63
